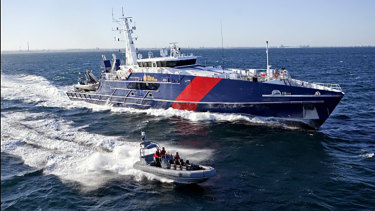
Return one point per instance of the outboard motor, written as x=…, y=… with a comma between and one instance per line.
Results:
x=143, y=135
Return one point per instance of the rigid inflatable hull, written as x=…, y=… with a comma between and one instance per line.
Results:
x=178, y=176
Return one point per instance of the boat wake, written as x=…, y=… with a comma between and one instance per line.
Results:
x=53, y=145
x=56, y=147
x=34, y=89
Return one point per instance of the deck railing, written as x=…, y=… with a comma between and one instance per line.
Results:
x=330, y=86
x=322, y=86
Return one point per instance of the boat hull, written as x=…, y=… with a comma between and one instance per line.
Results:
x=206, y=94
x=86, y=87
x=178, y=176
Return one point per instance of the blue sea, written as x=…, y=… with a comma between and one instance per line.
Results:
x=63, y=155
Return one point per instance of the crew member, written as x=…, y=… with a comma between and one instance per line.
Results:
x=177, y=159
x=162, y=153
x=157, y=158
x=170, y=158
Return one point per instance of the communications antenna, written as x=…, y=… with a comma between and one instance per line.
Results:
x=268, y=65
x=127, y=28
x=222, y=43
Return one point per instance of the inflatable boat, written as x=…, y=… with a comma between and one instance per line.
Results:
x=182, y=173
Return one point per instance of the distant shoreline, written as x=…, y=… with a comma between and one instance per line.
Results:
x=143, y=49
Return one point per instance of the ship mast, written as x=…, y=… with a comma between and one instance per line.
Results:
x=130, y=51
x=268, y=66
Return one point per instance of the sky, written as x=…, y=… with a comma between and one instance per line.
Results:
x=87, y=24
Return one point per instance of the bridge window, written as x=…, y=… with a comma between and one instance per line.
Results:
x=174, y=63
x=143, y=86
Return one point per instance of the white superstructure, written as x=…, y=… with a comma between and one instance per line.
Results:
x=177, y=63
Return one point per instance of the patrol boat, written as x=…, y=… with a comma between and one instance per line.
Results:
x=175, y=80
x=185, y=173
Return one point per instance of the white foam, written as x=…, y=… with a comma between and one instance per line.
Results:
x=35, y=89
x=368, y=155
x=58, y=148
x=205, y=116
x=192, y=116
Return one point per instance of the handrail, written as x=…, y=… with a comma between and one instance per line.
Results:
x=331, y=86
x=323, y=86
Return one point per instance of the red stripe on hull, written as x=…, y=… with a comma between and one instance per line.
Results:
x=197, y=89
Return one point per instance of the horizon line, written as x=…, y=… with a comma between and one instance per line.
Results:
x=153, y=48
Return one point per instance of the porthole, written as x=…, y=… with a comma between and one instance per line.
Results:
x=132, y=94
x=150, y=95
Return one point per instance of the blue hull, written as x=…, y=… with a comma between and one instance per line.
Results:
x=143, y=91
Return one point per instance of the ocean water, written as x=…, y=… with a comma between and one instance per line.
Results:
x=58, y=154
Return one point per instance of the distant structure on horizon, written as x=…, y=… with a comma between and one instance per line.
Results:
x=301, y=46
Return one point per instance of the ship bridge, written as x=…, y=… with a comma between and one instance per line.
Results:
x=173, y=58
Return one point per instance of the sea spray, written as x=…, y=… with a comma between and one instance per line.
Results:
x=58, y=148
